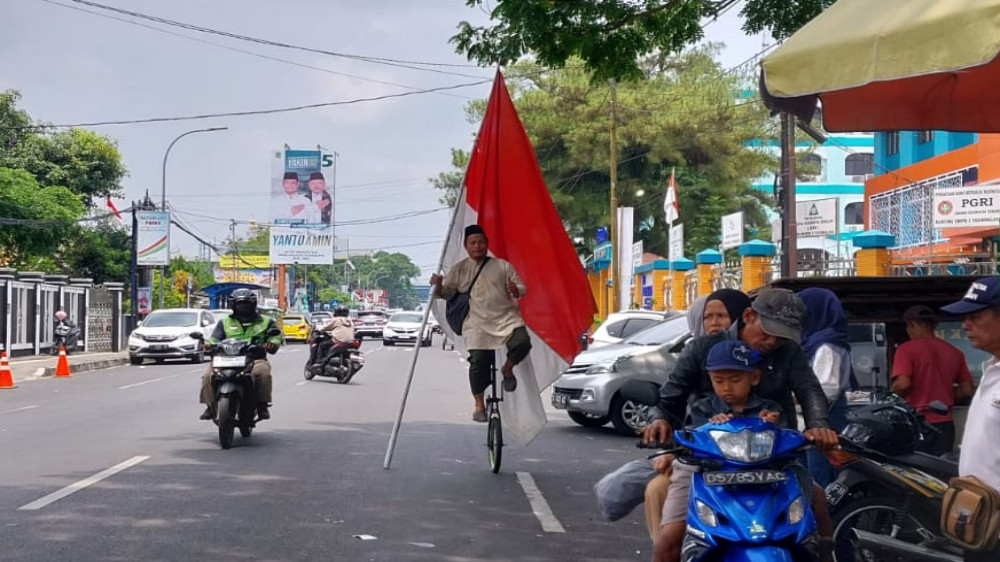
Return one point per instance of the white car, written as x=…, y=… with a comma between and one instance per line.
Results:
x=403, y=327
x=620, y=325
x=166, y=334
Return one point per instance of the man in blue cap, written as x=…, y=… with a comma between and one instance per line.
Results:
x=980, y=456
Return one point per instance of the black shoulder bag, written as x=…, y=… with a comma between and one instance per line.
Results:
x=458, y=305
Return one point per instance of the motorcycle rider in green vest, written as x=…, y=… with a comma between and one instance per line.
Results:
x=245, y=323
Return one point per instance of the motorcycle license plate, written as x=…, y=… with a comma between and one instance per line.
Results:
x=560, y=401
x=762, y=476
x=835, y=492
x=223, y=362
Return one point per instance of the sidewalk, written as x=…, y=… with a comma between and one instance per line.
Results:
x=34, y=366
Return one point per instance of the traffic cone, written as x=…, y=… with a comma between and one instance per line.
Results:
x=6, y=379
x=62, y=367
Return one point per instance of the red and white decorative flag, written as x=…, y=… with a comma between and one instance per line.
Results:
x=670, y=203
x=504, y=192
x=114, y=209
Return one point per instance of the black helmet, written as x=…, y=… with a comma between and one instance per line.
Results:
x=244, y=304
x=341, y=311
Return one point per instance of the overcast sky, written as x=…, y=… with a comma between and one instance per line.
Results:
x=75, y=67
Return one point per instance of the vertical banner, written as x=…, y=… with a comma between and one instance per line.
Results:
x=153, y=238
x=301, y=208
x=732, y=230
x=676, y=242
x=624, y=257
x=145, y=298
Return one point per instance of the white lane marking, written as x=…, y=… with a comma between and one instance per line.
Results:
x=133, y=385
x=539, y=506
x=21, y=409
x=77, y=486
x=300, y=383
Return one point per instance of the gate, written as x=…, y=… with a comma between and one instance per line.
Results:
x=100, y=321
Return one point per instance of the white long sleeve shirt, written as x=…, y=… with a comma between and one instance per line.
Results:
x=981, y=440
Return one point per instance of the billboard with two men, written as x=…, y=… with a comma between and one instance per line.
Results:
x=302, y=208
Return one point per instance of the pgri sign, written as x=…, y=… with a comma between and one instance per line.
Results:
x=966, y=206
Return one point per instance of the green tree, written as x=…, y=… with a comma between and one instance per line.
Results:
x=389, y=271
x=101, y=252
x=611, y=36
x=21, y=198
x=450, y=182
x=688, y=115
x=82, y=161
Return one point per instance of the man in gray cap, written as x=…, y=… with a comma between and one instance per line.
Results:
x=773, y=326
x=927, y=368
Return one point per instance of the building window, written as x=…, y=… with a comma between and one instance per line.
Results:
x=854, y=213
x=859, y=164
x=810, y=168
x=925, y=137
x=892, y=143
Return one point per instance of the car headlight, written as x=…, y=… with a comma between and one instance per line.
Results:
x=706, y=515
x=601, y=368
x=139, y=337
x=796, y=511
x=744, y=446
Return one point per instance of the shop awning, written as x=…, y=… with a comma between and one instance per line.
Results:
x=892, y=65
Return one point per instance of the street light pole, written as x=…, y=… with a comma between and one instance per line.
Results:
x=163, y=185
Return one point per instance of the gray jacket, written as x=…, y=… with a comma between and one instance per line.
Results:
x=783, y=372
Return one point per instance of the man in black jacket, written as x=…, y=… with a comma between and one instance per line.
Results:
x=772, y=326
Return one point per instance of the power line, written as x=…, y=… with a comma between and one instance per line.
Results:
x=414, y=65
x=253, y=112
x=238, y=50
x=34, y=223
x=358, y=222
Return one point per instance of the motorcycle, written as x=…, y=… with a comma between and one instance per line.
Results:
x=884, y=487
x=340, y=361
x=746, y=503
x=233, y=386
x=66, y=336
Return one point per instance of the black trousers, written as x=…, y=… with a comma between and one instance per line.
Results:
x=481, y=361
x=938, y=444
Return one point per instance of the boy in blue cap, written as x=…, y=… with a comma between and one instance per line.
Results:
x=732, y=368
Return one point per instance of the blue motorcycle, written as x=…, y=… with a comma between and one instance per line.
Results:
x=750, y=502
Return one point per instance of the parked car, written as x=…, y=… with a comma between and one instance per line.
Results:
x=166, y=334
x=219, y=314
x=620, y=325
x=589, y=389
x=296, y=327
x=369, y=323
x=405, y=327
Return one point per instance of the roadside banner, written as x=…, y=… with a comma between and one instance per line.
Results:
x=263, y=277
x=153, y=238
x=969, y=205
x=732, y=230
x=302, y=208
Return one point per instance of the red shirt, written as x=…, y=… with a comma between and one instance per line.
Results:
x=933, y=366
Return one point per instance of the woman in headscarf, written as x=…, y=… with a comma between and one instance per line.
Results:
x=723, y=308
x=826, y=343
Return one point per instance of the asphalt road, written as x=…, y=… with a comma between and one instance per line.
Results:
x=148, y=481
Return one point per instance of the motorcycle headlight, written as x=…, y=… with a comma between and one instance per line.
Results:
x=744, y=446
x=796, y=511
x=706, y=515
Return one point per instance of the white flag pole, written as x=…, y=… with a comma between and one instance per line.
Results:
x=459, y=201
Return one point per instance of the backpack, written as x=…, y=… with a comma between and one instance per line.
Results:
x=970, y=514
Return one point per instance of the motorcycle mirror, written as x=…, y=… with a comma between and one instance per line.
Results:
x=938, y=407
x=642, y=392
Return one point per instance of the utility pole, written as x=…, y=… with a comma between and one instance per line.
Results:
x=789, y=240
x=613, y=233
x=232, y=246
x=134, y=268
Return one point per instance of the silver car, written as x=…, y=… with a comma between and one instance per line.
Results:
x=589, y=389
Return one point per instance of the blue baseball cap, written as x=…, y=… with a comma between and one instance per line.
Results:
x=983, y=293
x=733, y=355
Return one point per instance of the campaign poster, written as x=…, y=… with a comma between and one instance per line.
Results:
x=302, y=208
x=145, y=298
x=153, y=238
x=262, y=277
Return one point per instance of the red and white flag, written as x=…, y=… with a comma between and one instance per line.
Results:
x=111, y=205
x=504, y=192
x=670, y=203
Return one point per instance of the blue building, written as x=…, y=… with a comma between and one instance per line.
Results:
x=844, y=163
x=898, y=149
